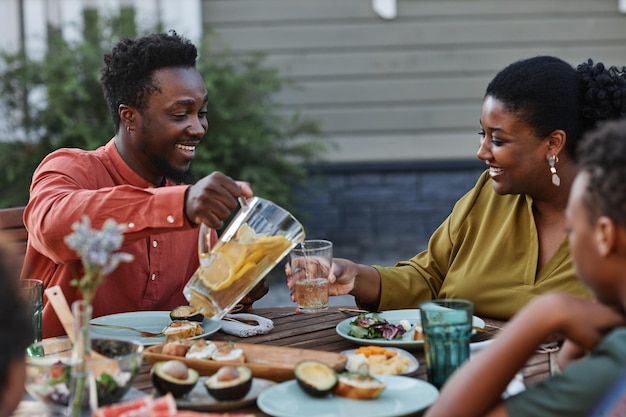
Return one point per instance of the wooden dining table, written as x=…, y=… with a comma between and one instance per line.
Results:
x=317, y=331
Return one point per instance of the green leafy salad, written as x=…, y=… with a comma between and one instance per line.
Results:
x=372, y=326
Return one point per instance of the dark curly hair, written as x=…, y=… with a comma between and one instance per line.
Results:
x=127, y=74
x=549, y=94
x=16, y=328
x=602, y=154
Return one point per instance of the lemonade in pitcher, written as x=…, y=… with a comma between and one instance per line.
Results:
x=256, y=240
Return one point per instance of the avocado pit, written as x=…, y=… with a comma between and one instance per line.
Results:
x=229, y=383
x=173, y=376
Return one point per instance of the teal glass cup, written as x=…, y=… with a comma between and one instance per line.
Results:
x=447, y=327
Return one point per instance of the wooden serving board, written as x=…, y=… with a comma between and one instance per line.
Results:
x=275, y=363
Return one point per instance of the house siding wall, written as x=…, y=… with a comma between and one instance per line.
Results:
x=400, y=99
x=409, y=88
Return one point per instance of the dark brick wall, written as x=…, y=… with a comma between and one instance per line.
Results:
x=379, y=214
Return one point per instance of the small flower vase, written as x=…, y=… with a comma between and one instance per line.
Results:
x=83, y=394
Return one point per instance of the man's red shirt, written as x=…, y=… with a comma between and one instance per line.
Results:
x=70, y=183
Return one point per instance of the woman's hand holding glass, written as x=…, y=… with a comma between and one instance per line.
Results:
x=341, y=278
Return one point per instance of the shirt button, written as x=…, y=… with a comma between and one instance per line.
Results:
x=154, y=244
x=153, y=277
x=170, y=219
x=131, y=225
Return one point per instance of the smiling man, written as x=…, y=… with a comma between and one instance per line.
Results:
x=140, y=178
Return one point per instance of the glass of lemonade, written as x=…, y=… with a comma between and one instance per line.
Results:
x=311, y=263
x=257, y=238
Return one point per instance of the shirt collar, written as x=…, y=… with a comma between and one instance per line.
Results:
x=130, y=176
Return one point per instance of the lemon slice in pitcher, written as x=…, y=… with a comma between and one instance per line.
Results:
x=219, y=274
x=246, y=234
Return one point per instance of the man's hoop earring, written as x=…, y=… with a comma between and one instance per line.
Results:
x=552, y=160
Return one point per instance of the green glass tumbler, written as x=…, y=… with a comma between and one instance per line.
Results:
x=32, y=291
x=447, y=326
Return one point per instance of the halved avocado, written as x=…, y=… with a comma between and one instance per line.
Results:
x=186, y=313
x=229, y=383
x=173, y=376
x=315, y=378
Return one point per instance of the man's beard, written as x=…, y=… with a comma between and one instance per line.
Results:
x=179, y=176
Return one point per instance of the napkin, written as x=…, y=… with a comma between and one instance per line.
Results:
x=246, y=330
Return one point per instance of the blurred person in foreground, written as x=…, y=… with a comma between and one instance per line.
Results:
x=140, y=178
x=594, y=353
x=16, y=332
x=505, y=241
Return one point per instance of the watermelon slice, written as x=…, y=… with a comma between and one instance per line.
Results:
x=164, y=406
x=200, y=414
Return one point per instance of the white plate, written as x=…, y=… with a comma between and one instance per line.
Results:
x=478, y=346
x=200, y=400
x=150, y=321
x=413, y=363
x=402, y=396
x=394, y=317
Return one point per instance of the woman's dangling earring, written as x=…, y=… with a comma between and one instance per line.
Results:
x=552, y=160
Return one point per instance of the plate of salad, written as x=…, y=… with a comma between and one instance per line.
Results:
x=397, y=328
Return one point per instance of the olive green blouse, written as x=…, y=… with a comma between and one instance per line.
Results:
x=486, y=251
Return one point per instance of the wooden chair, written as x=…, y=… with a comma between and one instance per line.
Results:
x=12, y=225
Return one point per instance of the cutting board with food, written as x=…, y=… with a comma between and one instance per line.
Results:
x=276, y=363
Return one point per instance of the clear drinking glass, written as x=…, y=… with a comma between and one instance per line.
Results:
x=32, y=291
x=311, y=262
x=257, y=238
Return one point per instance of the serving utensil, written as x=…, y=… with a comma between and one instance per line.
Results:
x=483, y=330
x=143, y=333
x=352, y=310
x=62, y=309
x=249, y=322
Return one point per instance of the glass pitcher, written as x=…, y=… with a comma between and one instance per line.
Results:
x=257, y=238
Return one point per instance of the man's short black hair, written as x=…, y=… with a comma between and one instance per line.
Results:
x=127, y=75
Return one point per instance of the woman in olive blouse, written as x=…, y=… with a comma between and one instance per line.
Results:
x=505, y=240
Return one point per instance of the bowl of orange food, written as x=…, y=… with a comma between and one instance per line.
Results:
x=380, y=360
